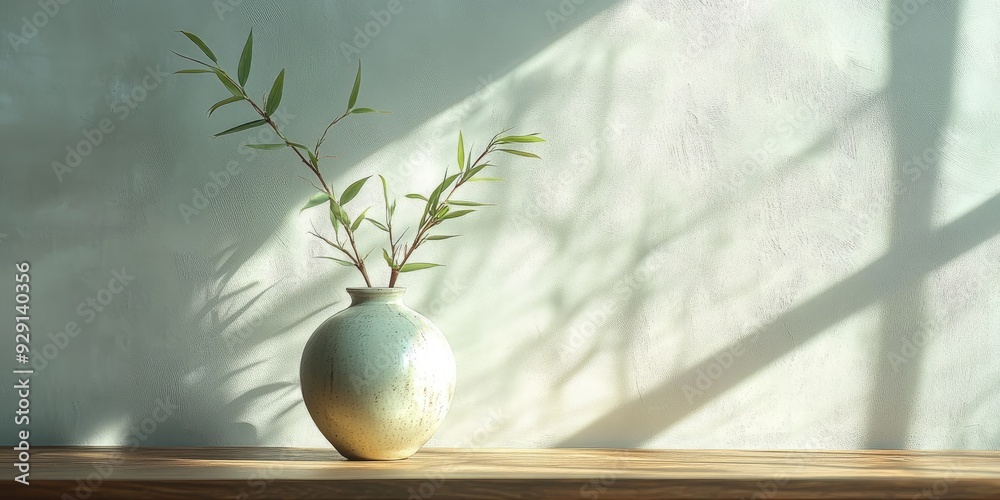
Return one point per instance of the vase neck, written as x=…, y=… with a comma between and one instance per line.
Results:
x=376, y=295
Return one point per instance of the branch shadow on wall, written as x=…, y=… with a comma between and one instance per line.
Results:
x=241, y=363
x=918, y=93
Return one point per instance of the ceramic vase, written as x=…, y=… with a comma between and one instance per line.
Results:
x=377, y=377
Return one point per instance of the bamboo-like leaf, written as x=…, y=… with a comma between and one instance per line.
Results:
x=357, y=87
x=357, y=222
x=266, y=146
x=415, y=196
x=432, y=201
x=377, y=224
x=244, y=70
x=520, y=153
x=520, y=139
x=438, y=237
x=201, y=45
x=340, y=214
x=240, y=128
x=461, y=203
x=435, y=196
x=193, y=60
x=456, y=214
x=417, y=266
x=334, y=222
x=475, y=170
x=192, y=71
x=461, y=152
x=312, y=156
x=385, y=196
x=274, y=97
x=228, y=83
x=449, y=180
x=388, y=260
x=228, y=100
x=338, y=261
x=359, y=111
x=327, y=241
x=385, y=189
x=352, y=190
x=316, y=199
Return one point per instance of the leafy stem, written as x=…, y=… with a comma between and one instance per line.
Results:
x=438, y=209
x=266, y=112
x=438, y=206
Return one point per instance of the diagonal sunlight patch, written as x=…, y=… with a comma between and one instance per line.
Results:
x=766, y=345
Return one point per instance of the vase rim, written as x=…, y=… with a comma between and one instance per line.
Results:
x=365, y=294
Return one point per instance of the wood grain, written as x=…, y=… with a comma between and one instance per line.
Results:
x=267, y=473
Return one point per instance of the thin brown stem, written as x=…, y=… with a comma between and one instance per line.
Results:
x=327, y=129
x=432, y=220
x=359, y=263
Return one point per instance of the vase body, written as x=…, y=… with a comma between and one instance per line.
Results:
x=377, y=377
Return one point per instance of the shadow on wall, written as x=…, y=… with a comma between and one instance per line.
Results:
x=918, y=94
x=226, y=353
x=211, y=331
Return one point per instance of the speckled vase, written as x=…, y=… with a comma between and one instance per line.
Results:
x=377, y=377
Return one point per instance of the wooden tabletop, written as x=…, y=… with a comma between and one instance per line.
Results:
x=265, y=473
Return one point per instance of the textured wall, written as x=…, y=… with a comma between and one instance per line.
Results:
x=765, y=224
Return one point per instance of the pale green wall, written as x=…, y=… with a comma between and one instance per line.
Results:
x=757, y=224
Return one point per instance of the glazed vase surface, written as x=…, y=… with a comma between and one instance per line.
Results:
x=377, y=377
